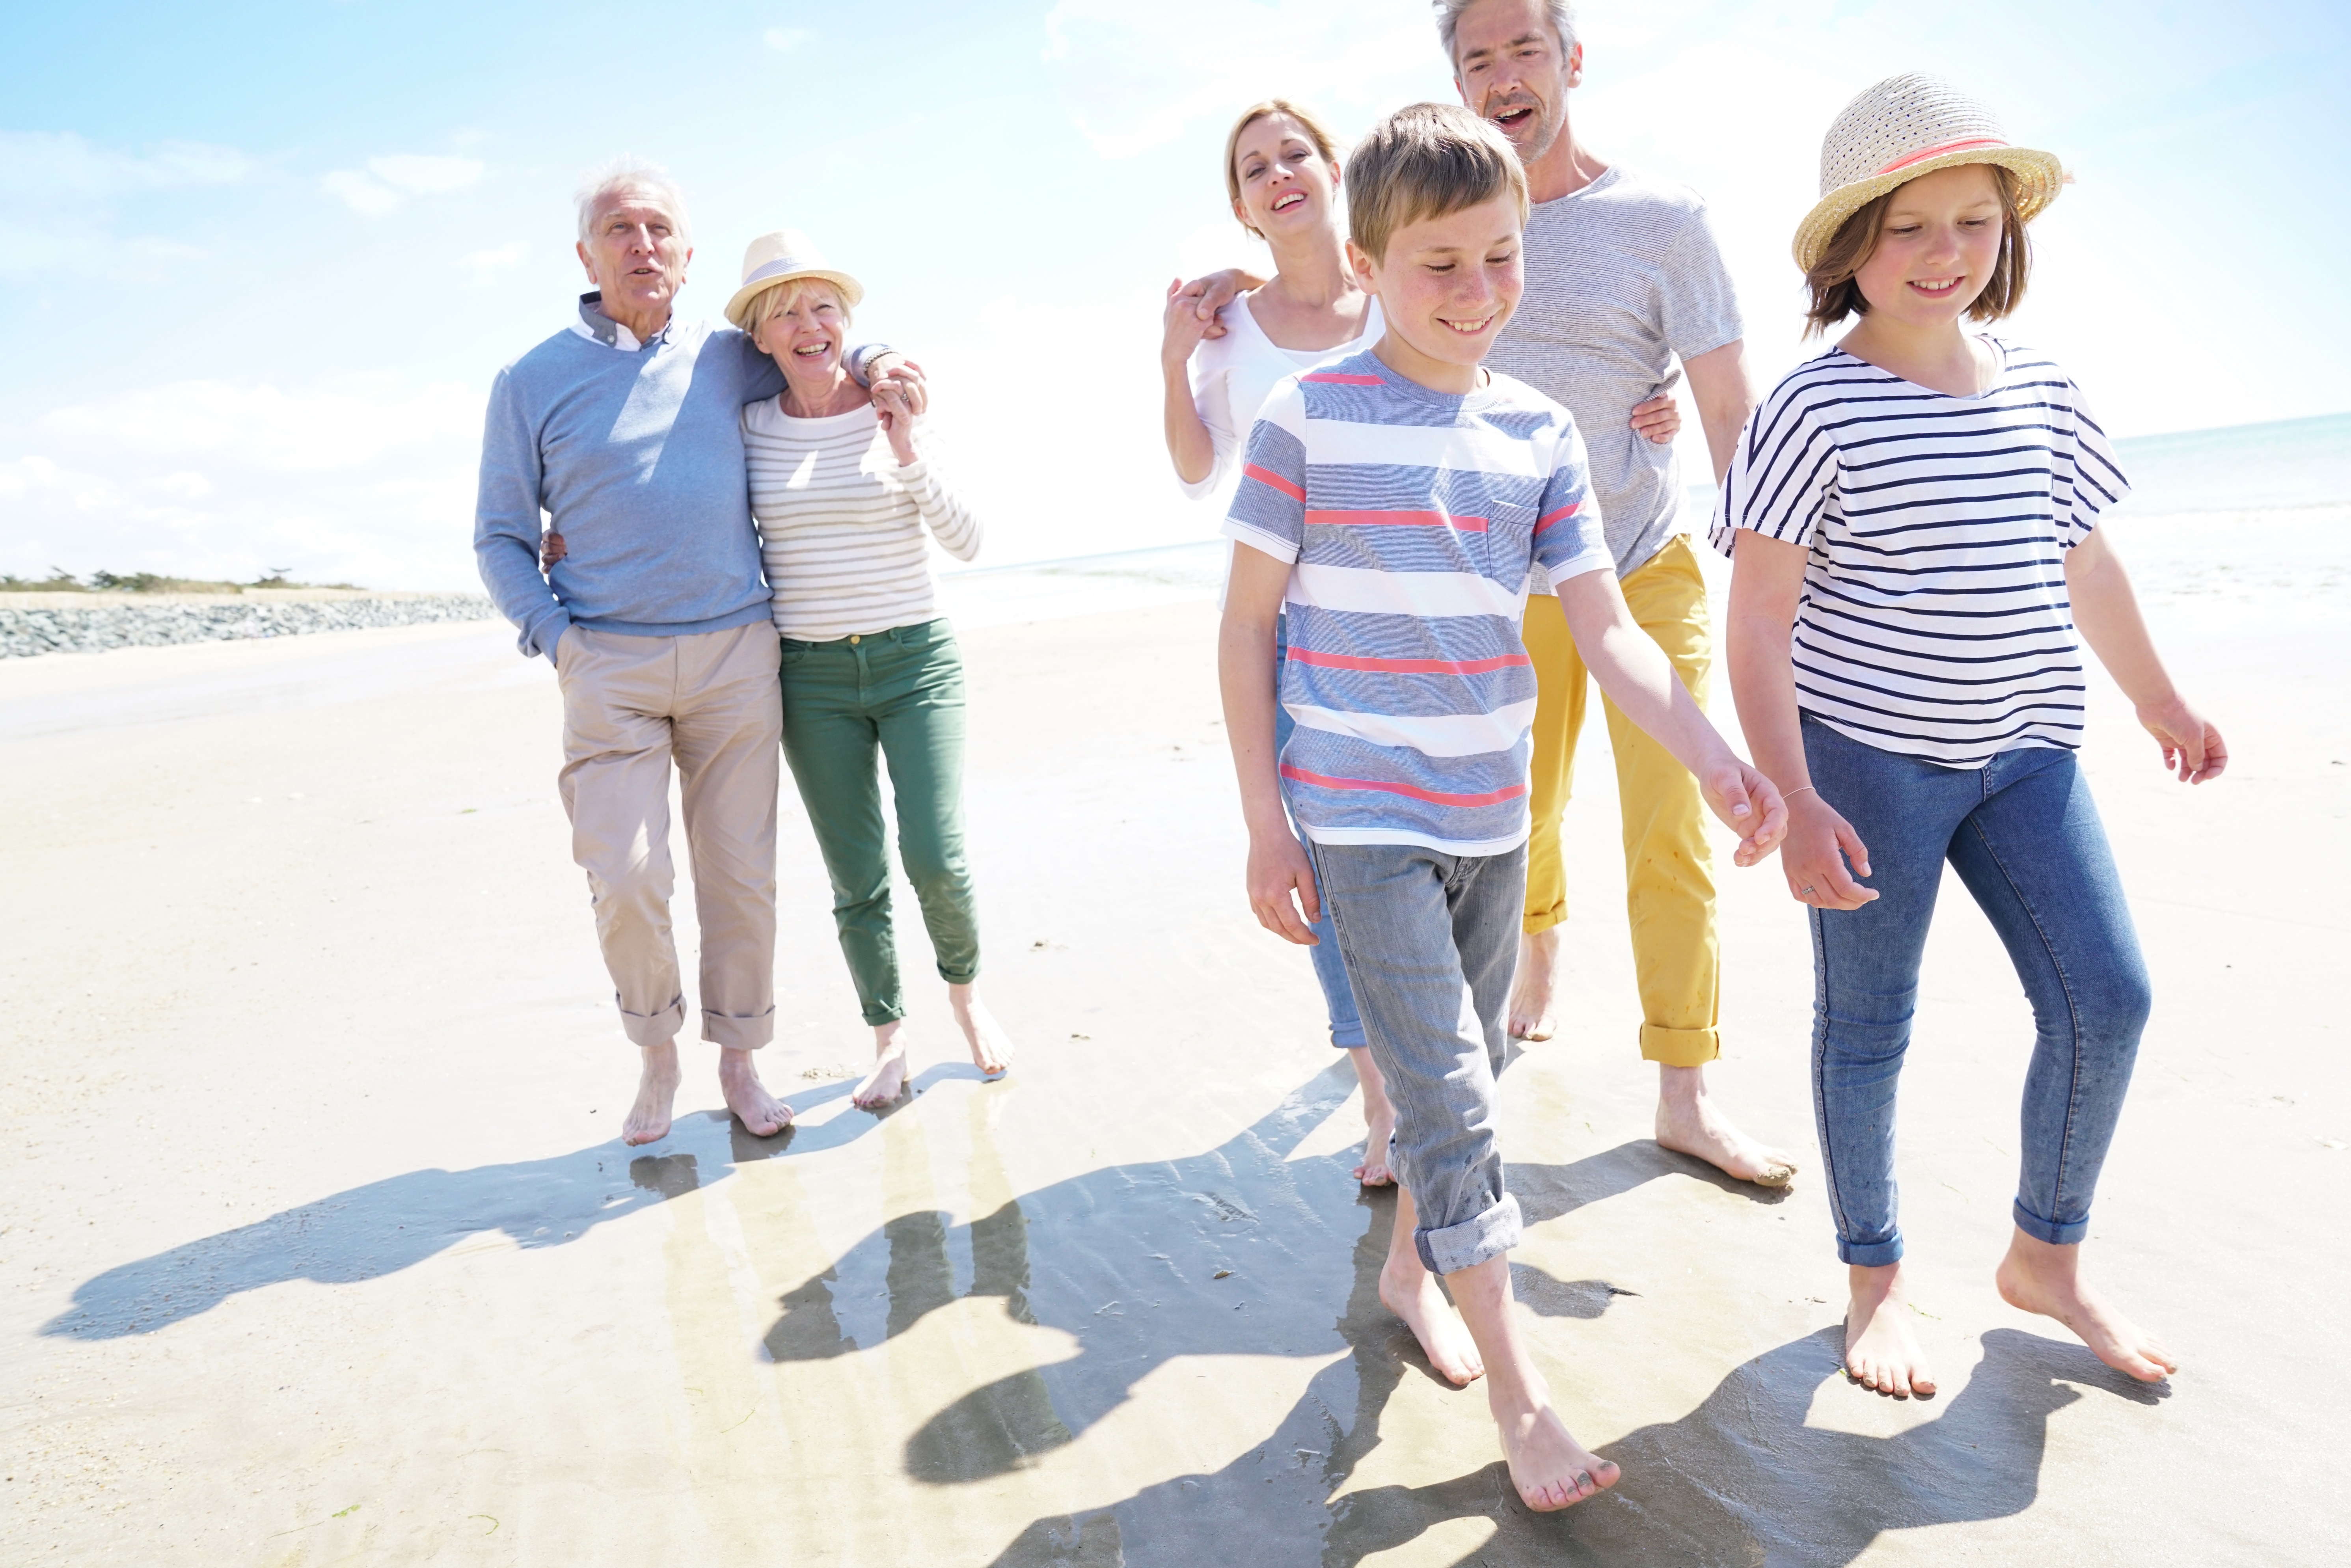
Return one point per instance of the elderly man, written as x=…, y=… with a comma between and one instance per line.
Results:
x=623, y=429
x=1621, y=278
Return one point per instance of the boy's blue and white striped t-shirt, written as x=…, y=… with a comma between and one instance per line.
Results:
x=1411, y=519
x=1934, y=620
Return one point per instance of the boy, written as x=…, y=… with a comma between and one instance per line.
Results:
x=1398, y=501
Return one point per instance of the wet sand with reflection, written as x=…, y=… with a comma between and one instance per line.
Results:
x=319, y=1247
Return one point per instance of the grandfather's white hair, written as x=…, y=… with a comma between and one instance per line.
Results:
x=639, y=175
x=1448, y=19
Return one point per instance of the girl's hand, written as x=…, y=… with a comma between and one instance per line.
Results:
x=2192, y=749
x=1281, y=878
x=892, y=407
x=1749, y=804
x=1182, y=330
x=1819, y=843
x=1659, y=420
x=551, y=549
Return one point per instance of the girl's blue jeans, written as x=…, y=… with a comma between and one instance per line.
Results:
x=1346, y=1023
x=2027, y=843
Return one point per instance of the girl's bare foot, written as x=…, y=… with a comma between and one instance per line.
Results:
x=991, y=1052
x=1379, y=1120
x=1411, y=1292
x=761, y=1113
x=649, y=1118
x=2041, y=1277
x=1880, y=1351
x=1688, y=1123
x=1549, y=1466
x=1537, y=983
x=888, y=1079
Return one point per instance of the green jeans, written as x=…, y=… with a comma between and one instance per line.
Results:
x=900, y=691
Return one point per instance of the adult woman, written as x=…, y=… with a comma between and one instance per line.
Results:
x=846, y=502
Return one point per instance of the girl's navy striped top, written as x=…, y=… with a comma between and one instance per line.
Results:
x=1934, y=620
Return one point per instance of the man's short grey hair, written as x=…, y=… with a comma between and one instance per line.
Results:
x=639, y=176
x=1448, y=19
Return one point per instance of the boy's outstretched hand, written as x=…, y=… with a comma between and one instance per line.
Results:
x=1749, y=804
x=1281, y=879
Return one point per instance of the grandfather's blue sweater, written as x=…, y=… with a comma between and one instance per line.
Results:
x=635, y=452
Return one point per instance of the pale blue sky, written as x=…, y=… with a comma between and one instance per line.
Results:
x=267, y=255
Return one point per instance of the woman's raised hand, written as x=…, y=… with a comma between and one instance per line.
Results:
x=1819, y=843
x=893, y=406
x=1181, y=330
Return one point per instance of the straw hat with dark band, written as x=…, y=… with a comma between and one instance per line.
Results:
x=1903, y=127
x=778, y=258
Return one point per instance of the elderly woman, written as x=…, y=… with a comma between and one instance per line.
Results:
x=847, y=502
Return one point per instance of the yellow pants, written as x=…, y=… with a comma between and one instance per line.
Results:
x=1668, y=865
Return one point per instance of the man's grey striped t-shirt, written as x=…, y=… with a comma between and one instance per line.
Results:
x=1622, y=275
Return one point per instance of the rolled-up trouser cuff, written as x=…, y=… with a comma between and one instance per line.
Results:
x=748, y=1032
x=1475, y=1240
x=653, y=1029
x=1350, y=1038
x=2041, y=1229
x=1680, y=1046
x=1536, y=925
x=1875, y=1255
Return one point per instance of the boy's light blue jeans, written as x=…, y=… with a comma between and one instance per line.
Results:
x=1330, y=969
x=1431, y=943
x=2026, y=840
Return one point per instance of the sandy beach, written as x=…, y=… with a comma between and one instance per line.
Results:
x=321, y=1247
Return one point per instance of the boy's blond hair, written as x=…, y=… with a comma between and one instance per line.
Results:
x=1426, y=160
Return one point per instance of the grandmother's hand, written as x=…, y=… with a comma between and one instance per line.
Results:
x=551, y=549
x=896, y=369
x=896, y=414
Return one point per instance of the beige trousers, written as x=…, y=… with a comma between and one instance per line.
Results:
x=710, y=701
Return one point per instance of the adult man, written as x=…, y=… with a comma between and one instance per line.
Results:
x=1621, y=277
x=624, y=430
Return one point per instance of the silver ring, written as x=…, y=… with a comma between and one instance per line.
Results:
x=1810, y=890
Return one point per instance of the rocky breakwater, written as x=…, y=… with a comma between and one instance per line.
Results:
x=33, y=623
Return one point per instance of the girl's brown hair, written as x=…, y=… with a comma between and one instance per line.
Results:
x=1316, y=131
x=1836, y=295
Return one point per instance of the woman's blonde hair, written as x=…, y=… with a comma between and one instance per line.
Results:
x=1316, y=131
x=764, y=308
x=1836, y=295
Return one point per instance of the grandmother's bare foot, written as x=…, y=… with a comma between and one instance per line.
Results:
x=1537, y=984
x=2041, y=1277
x=649, y=1118
x=888, y=1079
x=1880, y=1351
x=1688, y=1123
x=761, y=1113
x=991, y=1049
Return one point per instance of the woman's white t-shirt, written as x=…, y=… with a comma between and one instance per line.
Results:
x=1232, y=376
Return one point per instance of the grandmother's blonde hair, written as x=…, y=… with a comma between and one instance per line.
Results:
x=771, y=303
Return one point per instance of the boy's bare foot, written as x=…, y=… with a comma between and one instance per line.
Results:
x=991, y=1052
x=1379, y=1120
x=2041, y=1277
x=656, y=1095
x=1880, y=1351
x=1411, y=1292
x=1688, y=1123
x=761, y=1113
x=888, y=1079
x=1549, y=1466
x=1537, y=983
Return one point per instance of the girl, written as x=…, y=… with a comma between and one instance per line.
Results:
x=1915, y=520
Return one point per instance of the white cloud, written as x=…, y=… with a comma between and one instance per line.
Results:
x=489, y=264
x=63, y=167
x=784, y=40
x=390, y=181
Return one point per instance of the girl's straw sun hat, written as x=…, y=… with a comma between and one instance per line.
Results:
x=778, y=258
x=1903, y=127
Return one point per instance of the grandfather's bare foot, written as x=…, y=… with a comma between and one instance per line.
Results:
x=991, y=1051
x=656, y=1095
x=1411, y=1292
x=1880, y=1351
x=1379, y=1120
x=761, y=1113
x=1549, y=1466
x=1537, y=983
x=2038, y=1276
x=1688, y=1123
x=888, y=1079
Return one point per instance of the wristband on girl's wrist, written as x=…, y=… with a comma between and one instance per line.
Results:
x=1788, y=798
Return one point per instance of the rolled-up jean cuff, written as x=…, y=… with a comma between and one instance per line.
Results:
x=653, y=1029
x=745, y=1033
x=1475, y=1240
x=2056, y=1235
x=1680, y=1046
x=1877, y=1255
x=1350, y=1039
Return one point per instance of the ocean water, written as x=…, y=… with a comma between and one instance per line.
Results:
x=2221, y=526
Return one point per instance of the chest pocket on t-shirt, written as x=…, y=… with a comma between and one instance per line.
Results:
x=1509, y=543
